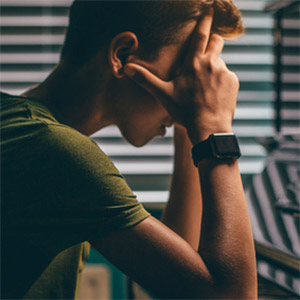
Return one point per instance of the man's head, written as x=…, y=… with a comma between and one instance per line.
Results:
x=154, y=34
x=93, y=24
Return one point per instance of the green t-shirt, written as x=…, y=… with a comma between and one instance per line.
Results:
x=58, y=190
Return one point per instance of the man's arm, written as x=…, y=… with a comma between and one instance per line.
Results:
x=226, y=225
x=167, y=265
x=184, y=208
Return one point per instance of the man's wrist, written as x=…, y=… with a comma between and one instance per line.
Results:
x=200, y=129
x=197, y=136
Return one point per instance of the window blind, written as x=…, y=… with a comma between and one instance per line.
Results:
x=32, y=33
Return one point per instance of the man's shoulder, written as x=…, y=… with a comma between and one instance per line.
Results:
x=18, y=113
x=75, y=150
x=69, y=139
x=30, y=125
x=21, y=115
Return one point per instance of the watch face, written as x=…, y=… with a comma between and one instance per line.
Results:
x=226, y=145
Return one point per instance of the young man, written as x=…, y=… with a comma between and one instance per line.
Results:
x=141, y=66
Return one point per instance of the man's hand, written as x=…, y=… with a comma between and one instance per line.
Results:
x=203, y=97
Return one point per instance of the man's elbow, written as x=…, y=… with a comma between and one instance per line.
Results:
x=234, y=291
x=234, y=278
x=233, y=285
x=239, y=288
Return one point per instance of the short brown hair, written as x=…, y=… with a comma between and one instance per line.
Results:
x=93, y=24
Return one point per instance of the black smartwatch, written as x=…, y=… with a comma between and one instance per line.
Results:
x=217, y=146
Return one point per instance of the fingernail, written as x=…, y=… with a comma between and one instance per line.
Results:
x=129, y=72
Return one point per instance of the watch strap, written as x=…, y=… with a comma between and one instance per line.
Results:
x=202, y=150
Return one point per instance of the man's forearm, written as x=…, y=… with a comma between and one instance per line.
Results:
x=184, y=209
x=226, y=243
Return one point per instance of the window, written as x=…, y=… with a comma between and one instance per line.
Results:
x=32, y=32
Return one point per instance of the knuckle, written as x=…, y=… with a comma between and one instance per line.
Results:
x=210, y=64
x=234, y=79
x=222, y=63
x=195, y=64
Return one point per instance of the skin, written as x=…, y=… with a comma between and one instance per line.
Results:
x=170, y=258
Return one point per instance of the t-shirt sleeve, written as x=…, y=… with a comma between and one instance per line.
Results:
x=79, y=194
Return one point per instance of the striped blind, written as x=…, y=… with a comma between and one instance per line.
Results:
x=32, y=32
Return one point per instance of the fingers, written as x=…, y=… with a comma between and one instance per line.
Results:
x=215, y=45
x=201, y=35
x=143, y=77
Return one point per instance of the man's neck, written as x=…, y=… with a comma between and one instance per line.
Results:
x=76, y=95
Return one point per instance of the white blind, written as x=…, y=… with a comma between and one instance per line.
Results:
x=32, y=32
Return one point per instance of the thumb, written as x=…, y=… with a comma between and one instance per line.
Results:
x=143, y=77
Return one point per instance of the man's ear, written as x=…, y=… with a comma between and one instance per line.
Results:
x=122, y=45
